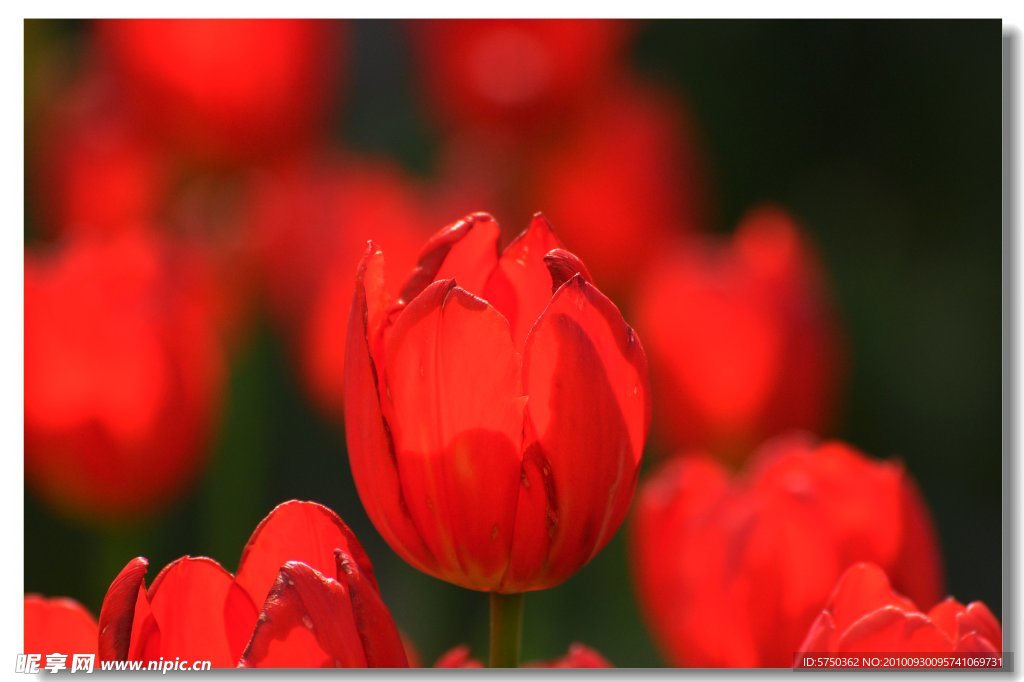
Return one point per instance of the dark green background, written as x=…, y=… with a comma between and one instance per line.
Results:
x=883, y=137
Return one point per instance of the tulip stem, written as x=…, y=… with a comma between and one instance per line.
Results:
x=506, y=629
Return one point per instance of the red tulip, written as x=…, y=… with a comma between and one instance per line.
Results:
x=495, y=411
x=579, y=656
x=311, y=220
x=226, y=87
x=622, y=178
x=732, y=570
x=514, y=72
x=58, y=625
x=321, y=606
x=864, y=615
x=93, y=168
x=123, y=371
x=741, y=335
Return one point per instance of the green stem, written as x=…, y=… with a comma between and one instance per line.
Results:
x=506, y=629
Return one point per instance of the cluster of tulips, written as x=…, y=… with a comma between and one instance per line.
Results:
x=496, y=402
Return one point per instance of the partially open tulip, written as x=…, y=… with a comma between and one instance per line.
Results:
x=58, y=625
x=578, y=656
x=865, y=615
x=732, y=570
x=123, y=373
x=741, y=337
x=226, y=87
x=304, y=596
x=495, y=409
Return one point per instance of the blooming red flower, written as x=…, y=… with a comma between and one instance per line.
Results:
x=321, y=606
x=226, y=87
x=310, y=220
x=741, y=337
x=622, y=178
x=58, y=625
x=123, y=371
x=578, y=656
x=731, y=571
x=495, y=410
x=865, y=615
x=514, y=72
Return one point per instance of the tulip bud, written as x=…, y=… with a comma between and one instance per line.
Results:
x=742, y=338
x=494, y=428
x=123, y=372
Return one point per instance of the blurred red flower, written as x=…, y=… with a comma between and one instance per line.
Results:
x=123, y=373
x=227, y=87
x=731, y=571
x=514, y=72
x=741, y=337
x=94, y=169
x=865, y=615
x=623, y=177
x=578, y=656
x=320, y=603
x=495, y=410
x=311, y=219
x=58, y=625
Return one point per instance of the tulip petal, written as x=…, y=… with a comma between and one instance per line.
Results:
x=520, y=286
x=819, y=638
x=58, y=625
x=452, y=396
x=585, y=373
x=863, y=588
x=976, y=618
x=199, y=615
x=945, y=615
x=466, y=251
x=370, y=444
x=126, y=621
x=917, y=572
x=382, y=642
x=306, y=622
x=889, y=630
x=562, y=265
x=973, y=643
x=296, y=531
